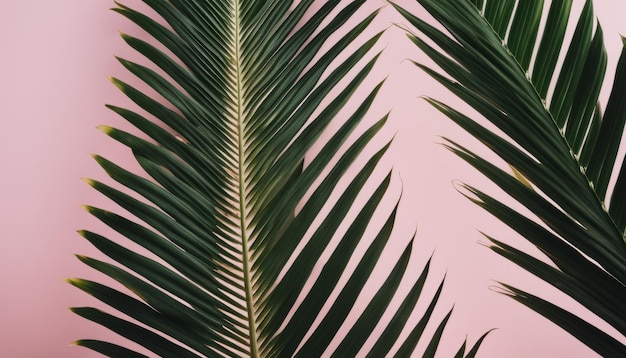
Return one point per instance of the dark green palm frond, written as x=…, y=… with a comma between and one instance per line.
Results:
x=561, y=143
x=227, y=208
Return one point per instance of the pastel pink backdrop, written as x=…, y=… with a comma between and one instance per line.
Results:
x=55, y=58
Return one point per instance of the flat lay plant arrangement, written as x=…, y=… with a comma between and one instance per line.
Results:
x=246, y=250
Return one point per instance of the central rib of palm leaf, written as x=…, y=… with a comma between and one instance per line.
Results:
x=240, y=179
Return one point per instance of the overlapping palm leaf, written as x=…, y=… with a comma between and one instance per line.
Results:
x=562, y=147
x=228, y=206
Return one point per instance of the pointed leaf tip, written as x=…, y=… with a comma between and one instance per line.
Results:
x=105, y=129
x=89, y=181
x=124, y=61
x=81, y=257
x=73, y=281
x=117, y=83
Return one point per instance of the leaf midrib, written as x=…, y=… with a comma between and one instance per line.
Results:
x=243, y=216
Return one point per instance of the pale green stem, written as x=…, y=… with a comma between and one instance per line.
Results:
x=247, y=274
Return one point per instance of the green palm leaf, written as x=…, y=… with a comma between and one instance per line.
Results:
x=234, y=221
x=560, y=142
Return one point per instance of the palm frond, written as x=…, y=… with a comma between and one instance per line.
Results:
x=501, y=64
x=235, y=223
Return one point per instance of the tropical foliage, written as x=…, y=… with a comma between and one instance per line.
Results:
x=244, y=240
x=561, y=143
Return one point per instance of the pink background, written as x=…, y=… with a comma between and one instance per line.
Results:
x=55, y=59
